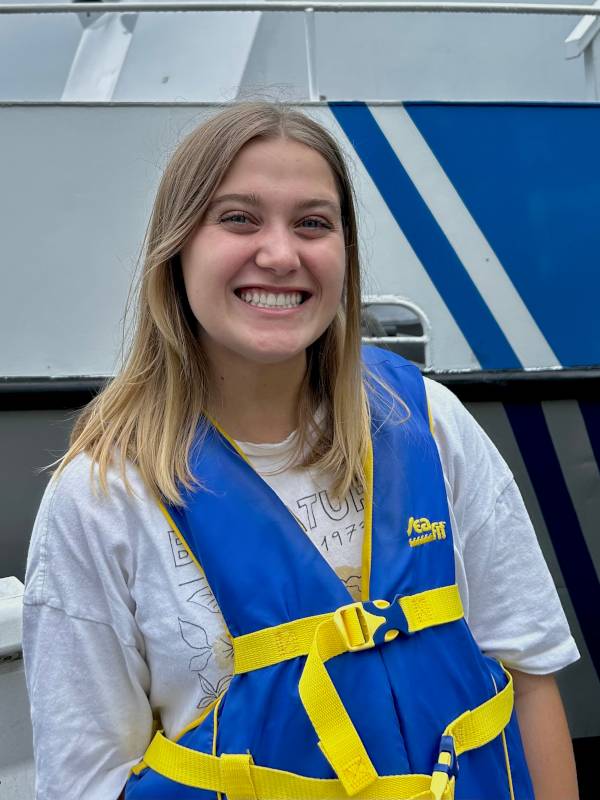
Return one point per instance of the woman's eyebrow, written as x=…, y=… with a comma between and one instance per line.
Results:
x=318, y=202
x=249, y=199
x=253, y=200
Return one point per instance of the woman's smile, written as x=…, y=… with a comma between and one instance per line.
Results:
x=272, y=299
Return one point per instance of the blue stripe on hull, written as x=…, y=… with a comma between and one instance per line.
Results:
x=536, y=446
x=526, y=176
x=416, y=221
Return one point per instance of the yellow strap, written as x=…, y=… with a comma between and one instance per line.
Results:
x=432, y=607
x=291, y=639
x=482, y=724
x=235, y=771
x=272, y=645
x=338, y=738
x=203, y=771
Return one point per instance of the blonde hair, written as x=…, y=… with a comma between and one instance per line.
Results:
x=154, y=409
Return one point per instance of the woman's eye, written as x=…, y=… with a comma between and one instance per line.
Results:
x=314, y=223
x=238, y=218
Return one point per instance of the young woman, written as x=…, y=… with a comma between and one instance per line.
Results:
x=254, y=496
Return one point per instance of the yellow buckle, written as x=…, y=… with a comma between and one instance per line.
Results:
x=357, y=626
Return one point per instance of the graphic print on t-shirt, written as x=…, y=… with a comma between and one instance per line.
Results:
x=335, y=527
x=351, y=577
x=211, y=692
x=202, y=596
x=181, y=557
x=315, y=509
x=210, y=654
x=195, y=637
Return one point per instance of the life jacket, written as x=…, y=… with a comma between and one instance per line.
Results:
x=385, y=698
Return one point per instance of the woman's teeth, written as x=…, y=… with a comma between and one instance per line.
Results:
x=270, y=299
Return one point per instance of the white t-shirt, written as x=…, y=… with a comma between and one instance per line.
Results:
x=119, y=624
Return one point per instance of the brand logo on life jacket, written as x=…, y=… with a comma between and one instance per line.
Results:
x=421, y=531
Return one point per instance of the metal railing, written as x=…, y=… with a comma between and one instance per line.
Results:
x=422, y=340
x=339, y=6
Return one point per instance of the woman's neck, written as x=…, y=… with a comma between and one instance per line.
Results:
x=256, y=402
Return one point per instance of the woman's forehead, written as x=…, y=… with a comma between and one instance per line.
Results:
x=280, y=165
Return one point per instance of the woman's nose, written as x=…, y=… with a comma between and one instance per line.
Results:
x=278, y=250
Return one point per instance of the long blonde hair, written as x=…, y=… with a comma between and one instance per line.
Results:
x=154, y=409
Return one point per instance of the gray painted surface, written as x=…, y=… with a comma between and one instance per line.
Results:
x=81, y=187
x=36, y=54
x=187, y=57
x=197, y=57
x=30, y=441
x=448, y=57
x=277, y=62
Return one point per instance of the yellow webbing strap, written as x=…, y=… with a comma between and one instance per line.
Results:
x=338, y=738
x=291, y=639
x=482, y=724
x=272, y=645
x=432, y=607
x=203, y=771
x=235, y=771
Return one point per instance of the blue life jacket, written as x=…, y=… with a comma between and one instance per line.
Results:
x=420, y=699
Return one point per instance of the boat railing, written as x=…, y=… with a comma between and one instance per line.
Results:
x=403, y=317
x=582, y=40
x=330, y=6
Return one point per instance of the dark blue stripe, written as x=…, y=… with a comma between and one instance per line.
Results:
x=591, y=416
x=532, y=434
x=449, y=276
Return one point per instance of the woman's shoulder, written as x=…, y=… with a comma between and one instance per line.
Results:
x=469, y=458
x=453, y=424
x=76, y=497
x=84, y=533
x=443, y=403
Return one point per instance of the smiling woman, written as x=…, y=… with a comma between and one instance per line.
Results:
x=261, y=479
x=256, y=200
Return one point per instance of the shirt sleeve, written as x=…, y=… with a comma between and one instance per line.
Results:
x=86, y=674
x=514, y=609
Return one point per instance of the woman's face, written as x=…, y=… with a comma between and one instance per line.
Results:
x=264, y=271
